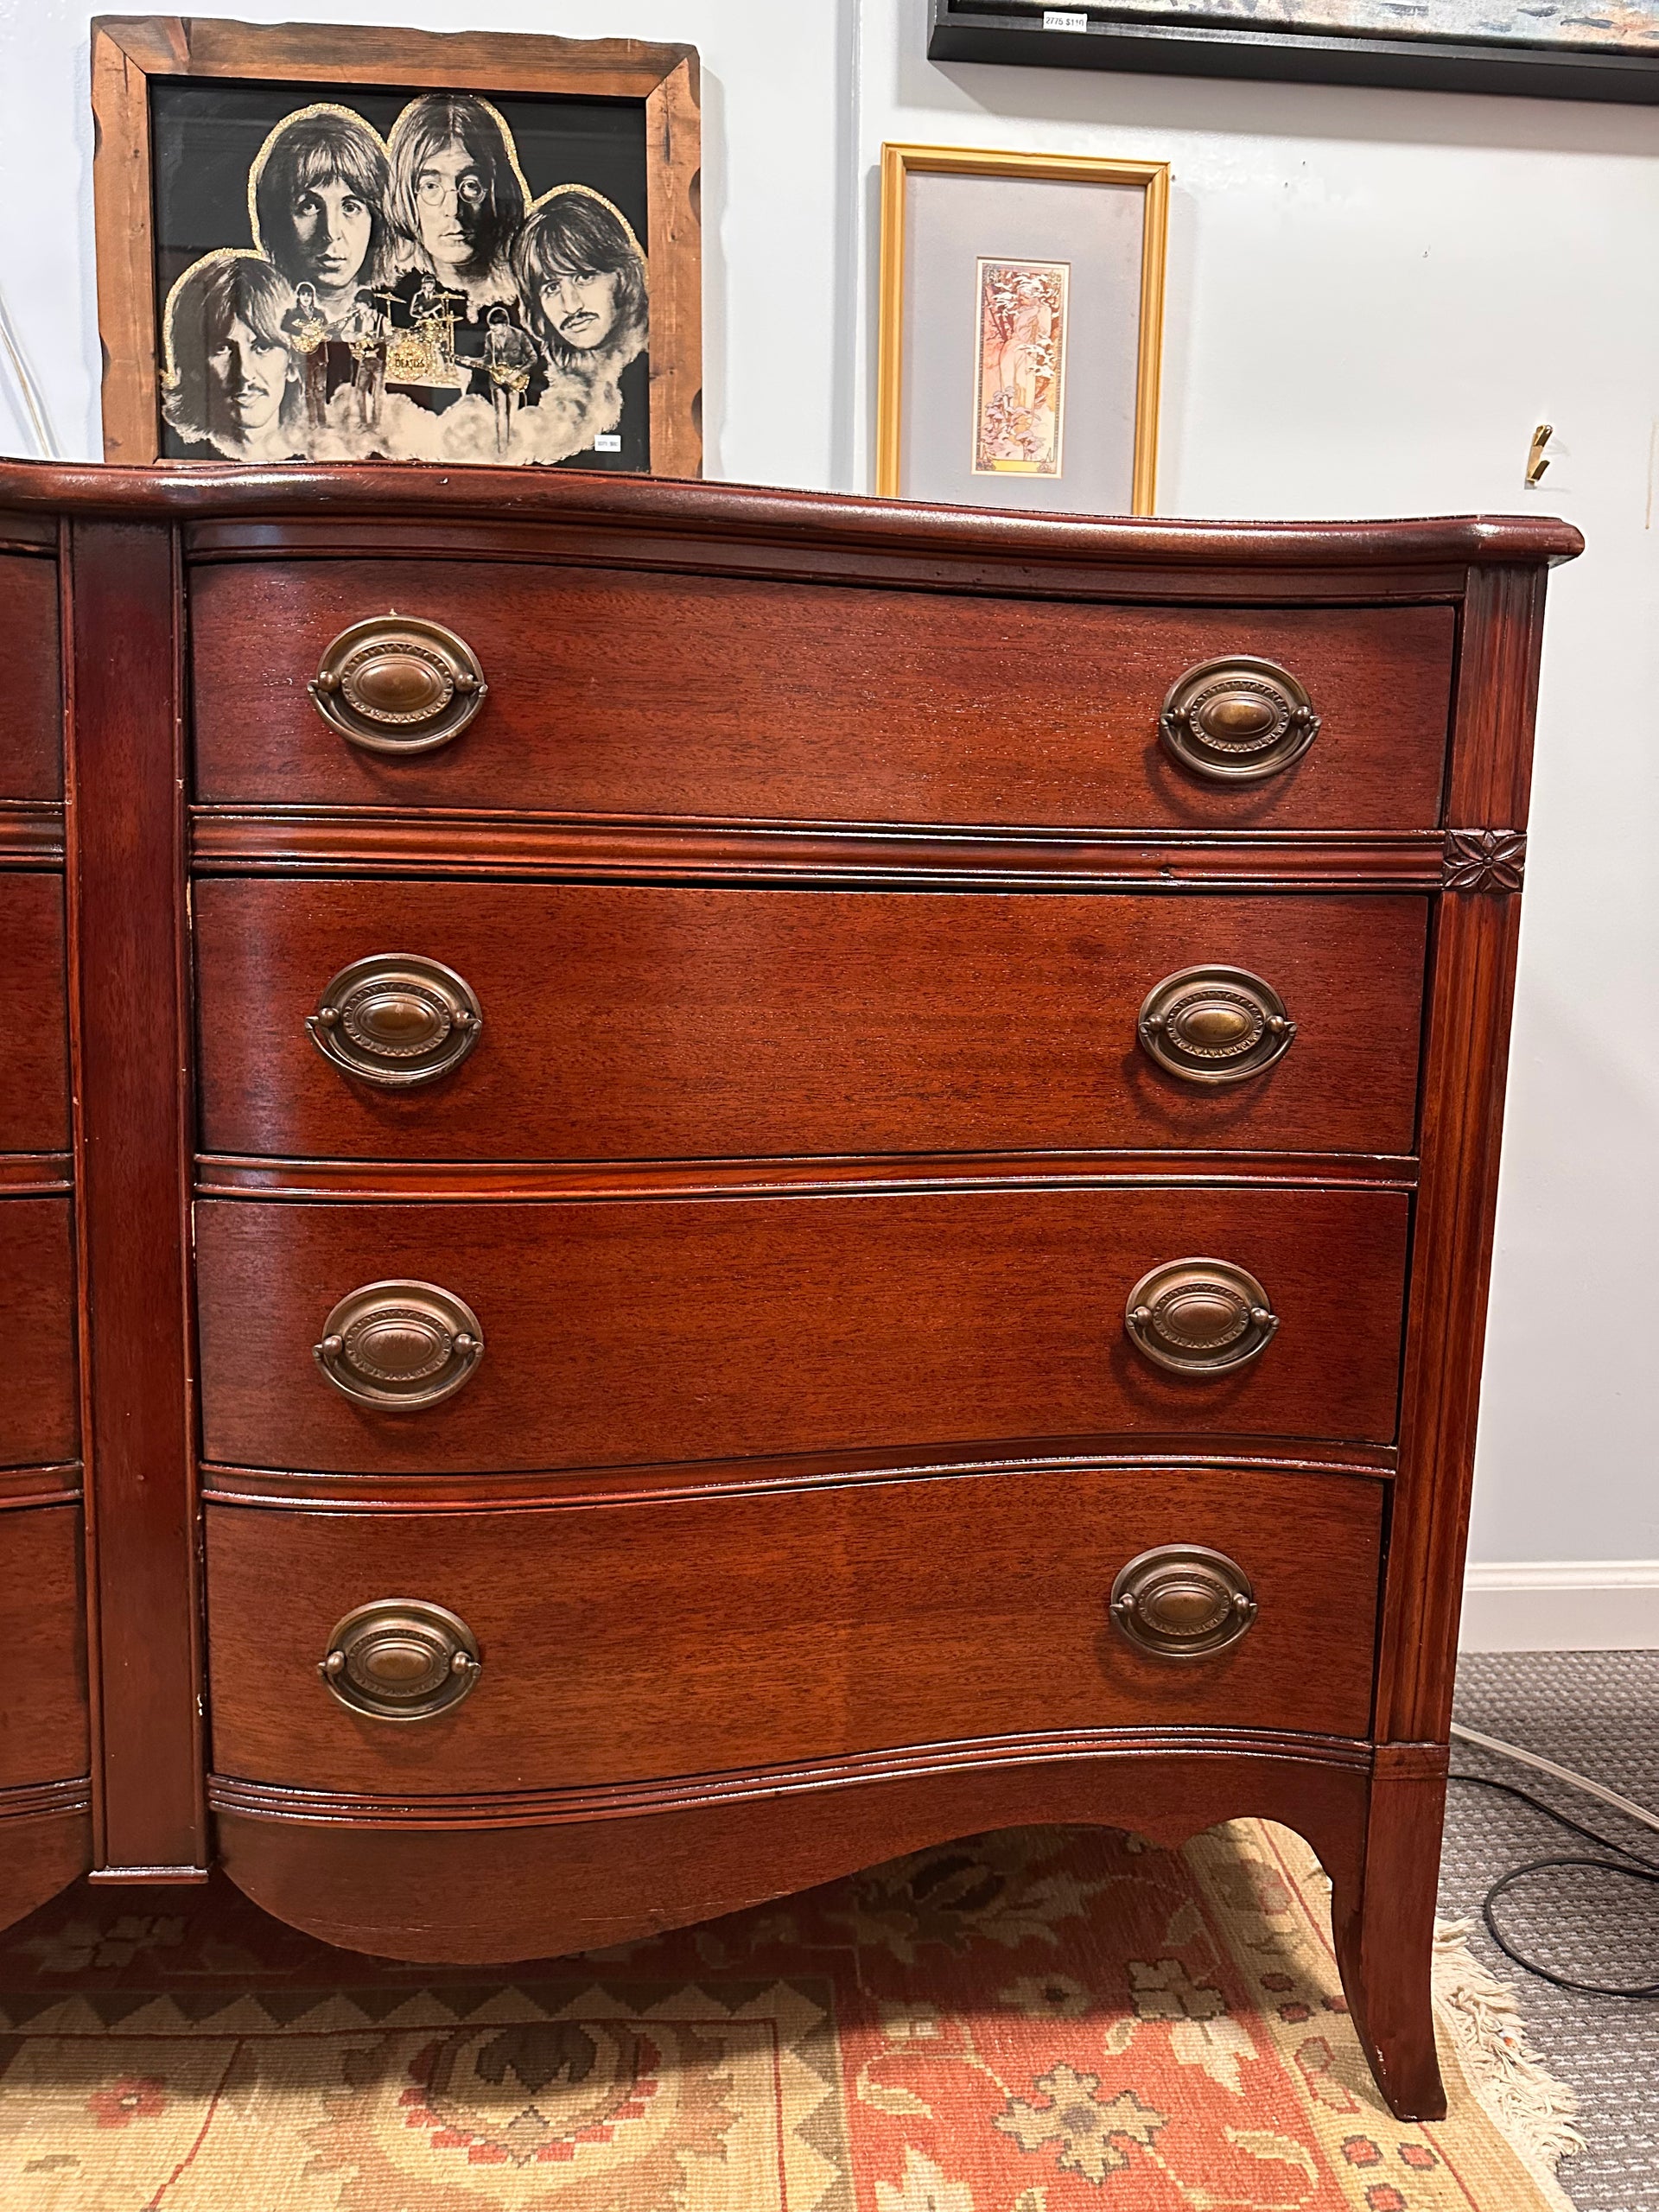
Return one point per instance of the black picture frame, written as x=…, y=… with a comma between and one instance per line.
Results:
x=1011, y=31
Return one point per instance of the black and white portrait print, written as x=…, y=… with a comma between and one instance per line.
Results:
x=437, y=278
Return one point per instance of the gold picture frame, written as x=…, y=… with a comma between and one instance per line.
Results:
x=900, y=164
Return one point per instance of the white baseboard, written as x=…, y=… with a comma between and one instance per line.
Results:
x=1575, y=1605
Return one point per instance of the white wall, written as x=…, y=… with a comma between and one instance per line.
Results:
x=1373, y=298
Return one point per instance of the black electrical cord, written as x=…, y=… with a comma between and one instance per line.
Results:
x=1639, y=1869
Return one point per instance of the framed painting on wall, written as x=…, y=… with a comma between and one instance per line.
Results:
x=340, y=243
x=1020, y=329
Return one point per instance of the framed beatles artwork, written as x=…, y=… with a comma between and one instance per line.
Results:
x=341, y=243
x=1021, y=326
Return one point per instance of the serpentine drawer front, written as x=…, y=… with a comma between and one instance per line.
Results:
x=43, y=1714
x=31, y=728
x=670, y=1022
x=38, y=1418
x=828, y=704
x=34, y=1095
x=721, y=1328
x=760, y=1179
x=623, y=1642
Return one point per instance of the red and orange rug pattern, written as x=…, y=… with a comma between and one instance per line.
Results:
x=1041, y=2020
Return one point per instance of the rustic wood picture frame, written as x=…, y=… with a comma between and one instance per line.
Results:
x=128, y=51
x=1151, y=179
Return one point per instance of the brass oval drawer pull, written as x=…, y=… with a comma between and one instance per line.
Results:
x=395, y=1019
x=1214, y=1024
x=400, y=1346
x=1182, y=1601
x=397, y=684
x=1199, y=1317
x=401, y=1659
x=1236, y=720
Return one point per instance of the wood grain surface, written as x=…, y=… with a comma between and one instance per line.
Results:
x=508, y=1891
x=31, y=728
x=43, y=1727
x=34, y=1081
x=41, y=1853
x=638, y=692
x=350, y=1182
x=1384, y=1919
x=677, y=1023
x=39, y=1419
x=665, y=1795
x=1376, y=559
x=712, y=1328
x=791, y=1627
x=40, y=1485
x=128, y=1021
x=32, y=530
x=31, y=833
x=1477, y=943
x=366, y=843
x=276, y=1489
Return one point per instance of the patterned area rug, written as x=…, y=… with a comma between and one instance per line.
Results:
x=1042, y=2020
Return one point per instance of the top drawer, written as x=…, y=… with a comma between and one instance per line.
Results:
x=31, y=729
x=616, y=691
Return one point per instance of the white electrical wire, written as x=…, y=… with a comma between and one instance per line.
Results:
x=1630, y=1810
x=34, y=404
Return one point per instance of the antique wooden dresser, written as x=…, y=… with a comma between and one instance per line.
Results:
x=755, y=1179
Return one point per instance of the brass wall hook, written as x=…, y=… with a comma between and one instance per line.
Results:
x=1537, y=462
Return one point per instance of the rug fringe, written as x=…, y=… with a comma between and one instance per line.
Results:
x=1533, y=2110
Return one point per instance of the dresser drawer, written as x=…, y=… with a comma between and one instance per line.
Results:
x=621, y=692
x=43, y=1712
x=622, y=1642
x=31, y=728
x=644, y=1023
x=671, y=1329
x=39, y=1423
x=34, y=1077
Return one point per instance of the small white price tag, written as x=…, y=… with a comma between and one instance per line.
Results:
x=1064, y=19
x=608, y=442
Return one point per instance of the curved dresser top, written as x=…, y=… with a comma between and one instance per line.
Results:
x=419, y=493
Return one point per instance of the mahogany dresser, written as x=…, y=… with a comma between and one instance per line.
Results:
x=758, y=1179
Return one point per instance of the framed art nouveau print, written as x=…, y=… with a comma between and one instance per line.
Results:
x=337, y=243
x=1022, y=322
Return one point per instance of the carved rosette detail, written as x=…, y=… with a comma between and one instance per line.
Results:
x=1483, y=860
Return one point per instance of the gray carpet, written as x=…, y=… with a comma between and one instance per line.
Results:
x=1597, y=1712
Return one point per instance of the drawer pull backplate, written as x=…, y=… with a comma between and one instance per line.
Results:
x=400, y=1346
x=1182, y=1601
x=1199, y=1317
x=1237, y=719
x=397, y=684
x=395, y=1019
x=400, y=1659
x=1215, y=1024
